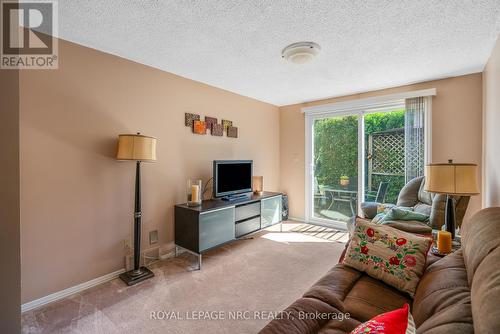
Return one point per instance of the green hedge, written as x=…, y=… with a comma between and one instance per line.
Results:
x=336, y=149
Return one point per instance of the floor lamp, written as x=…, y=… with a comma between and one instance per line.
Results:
x=451, y=179
x=138, y=148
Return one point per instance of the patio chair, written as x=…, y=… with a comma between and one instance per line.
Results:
x=319, y=194
x=379, y=195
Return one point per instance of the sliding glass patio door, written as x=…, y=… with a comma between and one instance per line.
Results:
x=358, y=156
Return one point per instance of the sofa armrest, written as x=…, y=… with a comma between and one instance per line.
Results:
x=369, y=209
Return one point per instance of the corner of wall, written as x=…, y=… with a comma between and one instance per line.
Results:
x=10, y=289
x=491, y=129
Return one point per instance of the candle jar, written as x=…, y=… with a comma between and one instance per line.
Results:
x=444, y=243
x=194, y=192
x=258, y=184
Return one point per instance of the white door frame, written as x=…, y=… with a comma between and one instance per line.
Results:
x=360, y=108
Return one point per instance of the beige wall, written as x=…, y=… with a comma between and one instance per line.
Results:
x=76, y=200
x=10, y=287
x=456, y=131
x=491, y=129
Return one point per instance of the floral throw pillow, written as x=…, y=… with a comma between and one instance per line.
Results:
x=398, y=321
x=390, y=255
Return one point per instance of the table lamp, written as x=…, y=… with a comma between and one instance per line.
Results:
x=138, y=148
x=451, y=179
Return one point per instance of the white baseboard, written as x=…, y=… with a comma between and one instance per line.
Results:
x=69, y=291
x=80, y=287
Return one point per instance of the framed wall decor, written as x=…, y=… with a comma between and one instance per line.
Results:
x=189, y=118
x=227, y=123
x=210, y=121
x=217, y=130
x=232, y=132
x=199, y=127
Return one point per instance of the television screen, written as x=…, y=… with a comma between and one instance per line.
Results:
x=232, y=177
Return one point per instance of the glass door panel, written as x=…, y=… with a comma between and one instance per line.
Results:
x=384, y=155
x=335, y=168
x=394, y=153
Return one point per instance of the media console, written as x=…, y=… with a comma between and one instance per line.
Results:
x=216, y=222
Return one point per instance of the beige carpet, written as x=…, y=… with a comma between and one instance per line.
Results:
x=263, y=274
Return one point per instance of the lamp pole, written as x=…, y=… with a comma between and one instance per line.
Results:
x=137, y=220
x=449, y=218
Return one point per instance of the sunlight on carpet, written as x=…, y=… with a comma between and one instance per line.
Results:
x=292, y=237
x=321, y=232
x=292, y=232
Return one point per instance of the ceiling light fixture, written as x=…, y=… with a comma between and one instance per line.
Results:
x=301, y=52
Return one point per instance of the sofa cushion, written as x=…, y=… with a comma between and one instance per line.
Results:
x=443, y=286
x=409, y=194
x=334, y=287
x=424, y=196
x=455, y=319
x=393, y=256
x=369, y=297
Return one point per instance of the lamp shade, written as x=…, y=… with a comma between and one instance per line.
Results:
x=451, y=178
x=136, y=147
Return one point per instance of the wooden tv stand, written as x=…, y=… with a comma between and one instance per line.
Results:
x=216, y=222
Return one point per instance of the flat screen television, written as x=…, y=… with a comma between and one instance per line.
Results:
x=232, y=178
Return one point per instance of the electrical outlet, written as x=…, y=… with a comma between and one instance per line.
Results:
x=153, y=237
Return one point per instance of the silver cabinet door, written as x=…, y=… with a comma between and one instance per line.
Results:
x=270, y=211
x=216, y=227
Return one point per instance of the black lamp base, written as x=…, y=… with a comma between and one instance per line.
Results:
x=131, y=277
x=449, y=218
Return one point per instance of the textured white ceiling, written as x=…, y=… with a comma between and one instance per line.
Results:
x=236, y=45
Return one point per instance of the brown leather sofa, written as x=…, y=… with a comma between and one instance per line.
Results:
x=459, y=293
x=413, y=195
